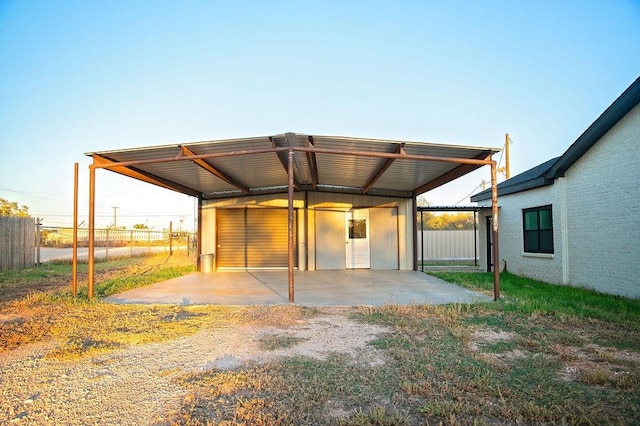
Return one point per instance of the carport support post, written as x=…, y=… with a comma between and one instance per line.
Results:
x=74, y=262
x=91, y=243
x=494, y=213
x=290, y=225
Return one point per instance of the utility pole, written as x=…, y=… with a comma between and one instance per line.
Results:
x=114, y=215
x=506, y=153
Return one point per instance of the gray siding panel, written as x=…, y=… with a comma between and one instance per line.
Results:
x=384, y=238
x=330, y=240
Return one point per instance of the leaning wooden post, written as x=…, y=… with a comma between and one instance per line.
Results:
x=290, y=228
x=494, y=213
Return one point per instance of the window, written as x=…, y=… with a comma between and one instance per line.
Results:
x=357, y=228
x=537, y=224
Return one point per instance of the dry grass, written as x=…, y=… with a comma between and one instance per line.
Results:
x=518, y=361
x=37, y=306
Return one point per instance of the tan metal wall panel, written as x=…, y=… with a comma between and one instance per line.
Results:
x=253, y=238
x=231, y=237
x=405, y=234
x=384, y=238
x=267, y=238
x=330, y=239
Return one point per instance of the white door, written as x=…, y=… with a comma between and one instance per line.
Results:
x=357, y=238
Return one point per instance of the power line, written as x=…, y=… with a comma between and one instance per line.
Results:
x=468, y=195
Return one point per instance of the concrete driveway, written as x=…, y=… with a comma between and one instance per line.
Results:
x=312, y=288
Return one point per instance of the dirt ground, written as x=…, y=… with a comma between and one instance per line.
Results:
x=138, y=383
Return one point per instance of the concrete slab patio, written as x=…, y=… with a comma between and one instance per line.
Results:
x=312, y=288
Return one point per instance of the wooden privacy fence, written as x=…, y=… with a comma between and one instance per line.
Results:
x=447, y=245
x=17, y=242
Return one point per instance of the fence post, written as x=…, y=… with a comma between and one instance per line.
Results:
x=38, y=234
x=170, y=238
x=131, y=243
x=106, y=245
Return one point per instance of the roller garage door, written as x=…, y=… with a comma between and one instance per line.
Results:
x=253, y=238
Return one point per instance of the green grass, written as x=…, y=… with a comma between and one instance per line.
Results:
x=528, y=296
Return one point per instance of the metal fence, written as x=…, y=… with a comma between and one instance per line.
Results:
x=63, y=237
x=447, y=245
x=57, y=243
x=17, y=242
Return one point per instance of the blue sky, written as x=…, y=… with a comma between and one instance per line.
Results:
x=83, y=76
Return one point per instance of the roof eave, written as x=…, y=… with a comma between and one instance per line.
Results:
x=512, y=189
x=616, y=111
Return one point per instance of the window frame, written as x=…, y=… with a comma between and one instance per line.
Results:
x=537, y=234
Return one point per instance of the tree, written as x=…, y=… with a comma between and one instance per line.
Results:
x=140, y=226
x=8, y=208
x=462, y=220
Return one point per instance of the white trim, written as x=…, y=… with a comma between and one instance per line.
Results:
x=539, y=255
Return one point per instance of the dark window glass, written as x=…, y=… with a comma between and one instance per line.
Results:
x=357, y=228
x=537, y=224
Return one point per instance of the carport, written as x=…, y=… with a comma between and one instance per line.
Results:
x=300, y=166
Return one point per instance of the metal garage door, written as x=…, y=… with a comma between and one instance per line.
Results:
x=253, y=238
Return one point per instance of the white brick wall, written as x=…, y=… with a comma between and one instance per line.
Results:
x=603, y=196
x=542, y=267
x=599, y=197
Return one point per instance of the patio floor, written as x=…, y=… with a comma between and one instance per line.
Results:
x=312, y=288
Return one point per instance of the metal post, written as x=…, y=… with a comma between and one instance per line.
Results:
x=422, y=239
x=414, y=226
x=171, y=238
x=199, y=236
x=475, y=239
x=494, y=213
x=74, y=262
x=91, y=243
x=106, y=245
x=290, y=227
x=38, y=238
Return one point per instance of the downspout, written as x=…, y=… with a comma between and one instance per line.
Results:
x=564, y=230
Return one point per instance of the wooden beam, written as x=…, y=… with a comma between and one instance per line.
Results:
x=142, y=175
x=208, y=167
x=399, y=150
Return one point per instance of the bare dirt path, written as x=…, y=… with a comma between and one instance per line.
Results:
x=137, y=385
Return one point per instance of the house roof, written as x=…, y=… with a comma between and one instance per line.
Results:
x=258, y=165
x=547, y=172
